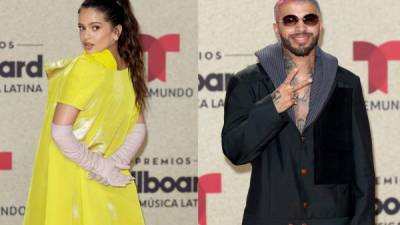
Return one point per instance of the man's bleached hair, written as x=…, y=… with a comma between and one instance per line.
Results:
x=281, y=2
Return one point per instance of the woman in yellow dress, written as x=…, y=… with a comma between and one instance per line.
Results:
x=93, y=125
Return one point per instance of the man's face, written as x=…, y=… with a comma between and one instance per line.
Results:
x=299, y=38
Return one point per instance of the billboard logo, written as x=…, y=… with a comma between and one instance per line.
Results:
x=390, y=206
x=377, y=58
x=209, y=183
x=13, y=69
x=5, y=161
x=214, y=81
x=149, y=184
x=157, y=50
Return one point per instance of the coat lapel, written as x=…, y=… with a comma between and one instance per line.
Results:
x=271, y=59
x=323, y=80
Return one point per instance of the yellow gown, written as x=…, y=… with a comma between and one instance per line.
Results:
x=60, y=192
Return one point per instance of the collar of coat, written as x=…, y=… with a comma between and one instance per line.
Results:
x=326, y=65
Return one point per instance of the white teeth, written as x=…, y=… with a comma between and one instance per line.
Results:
x=301, y=38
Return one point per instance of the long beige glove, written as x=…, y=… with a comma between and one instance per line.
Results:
x=106, y=169
x=128, y=149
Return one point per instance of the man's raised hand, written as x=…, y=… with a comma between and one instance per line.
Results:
x=285, y=95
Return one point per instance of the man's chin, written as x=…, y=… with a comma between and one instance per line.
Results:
x=300, y=46
x=295, y=44
x=301, y=50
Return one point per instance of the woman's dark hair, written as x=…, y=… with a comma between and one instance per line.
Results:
x=129, y=47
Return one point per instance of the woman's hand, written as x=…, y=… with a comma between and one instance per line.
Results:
x=109, y=173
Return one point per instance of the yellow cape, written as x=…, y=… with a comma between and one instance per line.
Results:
x=60, y=192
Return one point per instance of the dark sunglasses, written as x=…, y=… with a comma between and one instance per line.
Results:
x=309, y=20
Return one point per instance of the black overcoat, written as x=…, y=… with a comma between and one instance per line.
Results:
x=323, y=176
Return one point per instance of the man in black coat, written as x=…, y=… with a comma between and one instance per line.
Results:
x=301, y=121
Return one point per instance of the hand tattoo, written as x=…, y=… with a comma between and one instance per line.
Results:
x=276, y=95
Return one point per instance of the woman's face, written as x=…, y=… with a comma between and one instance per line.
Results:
x=95, y=32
